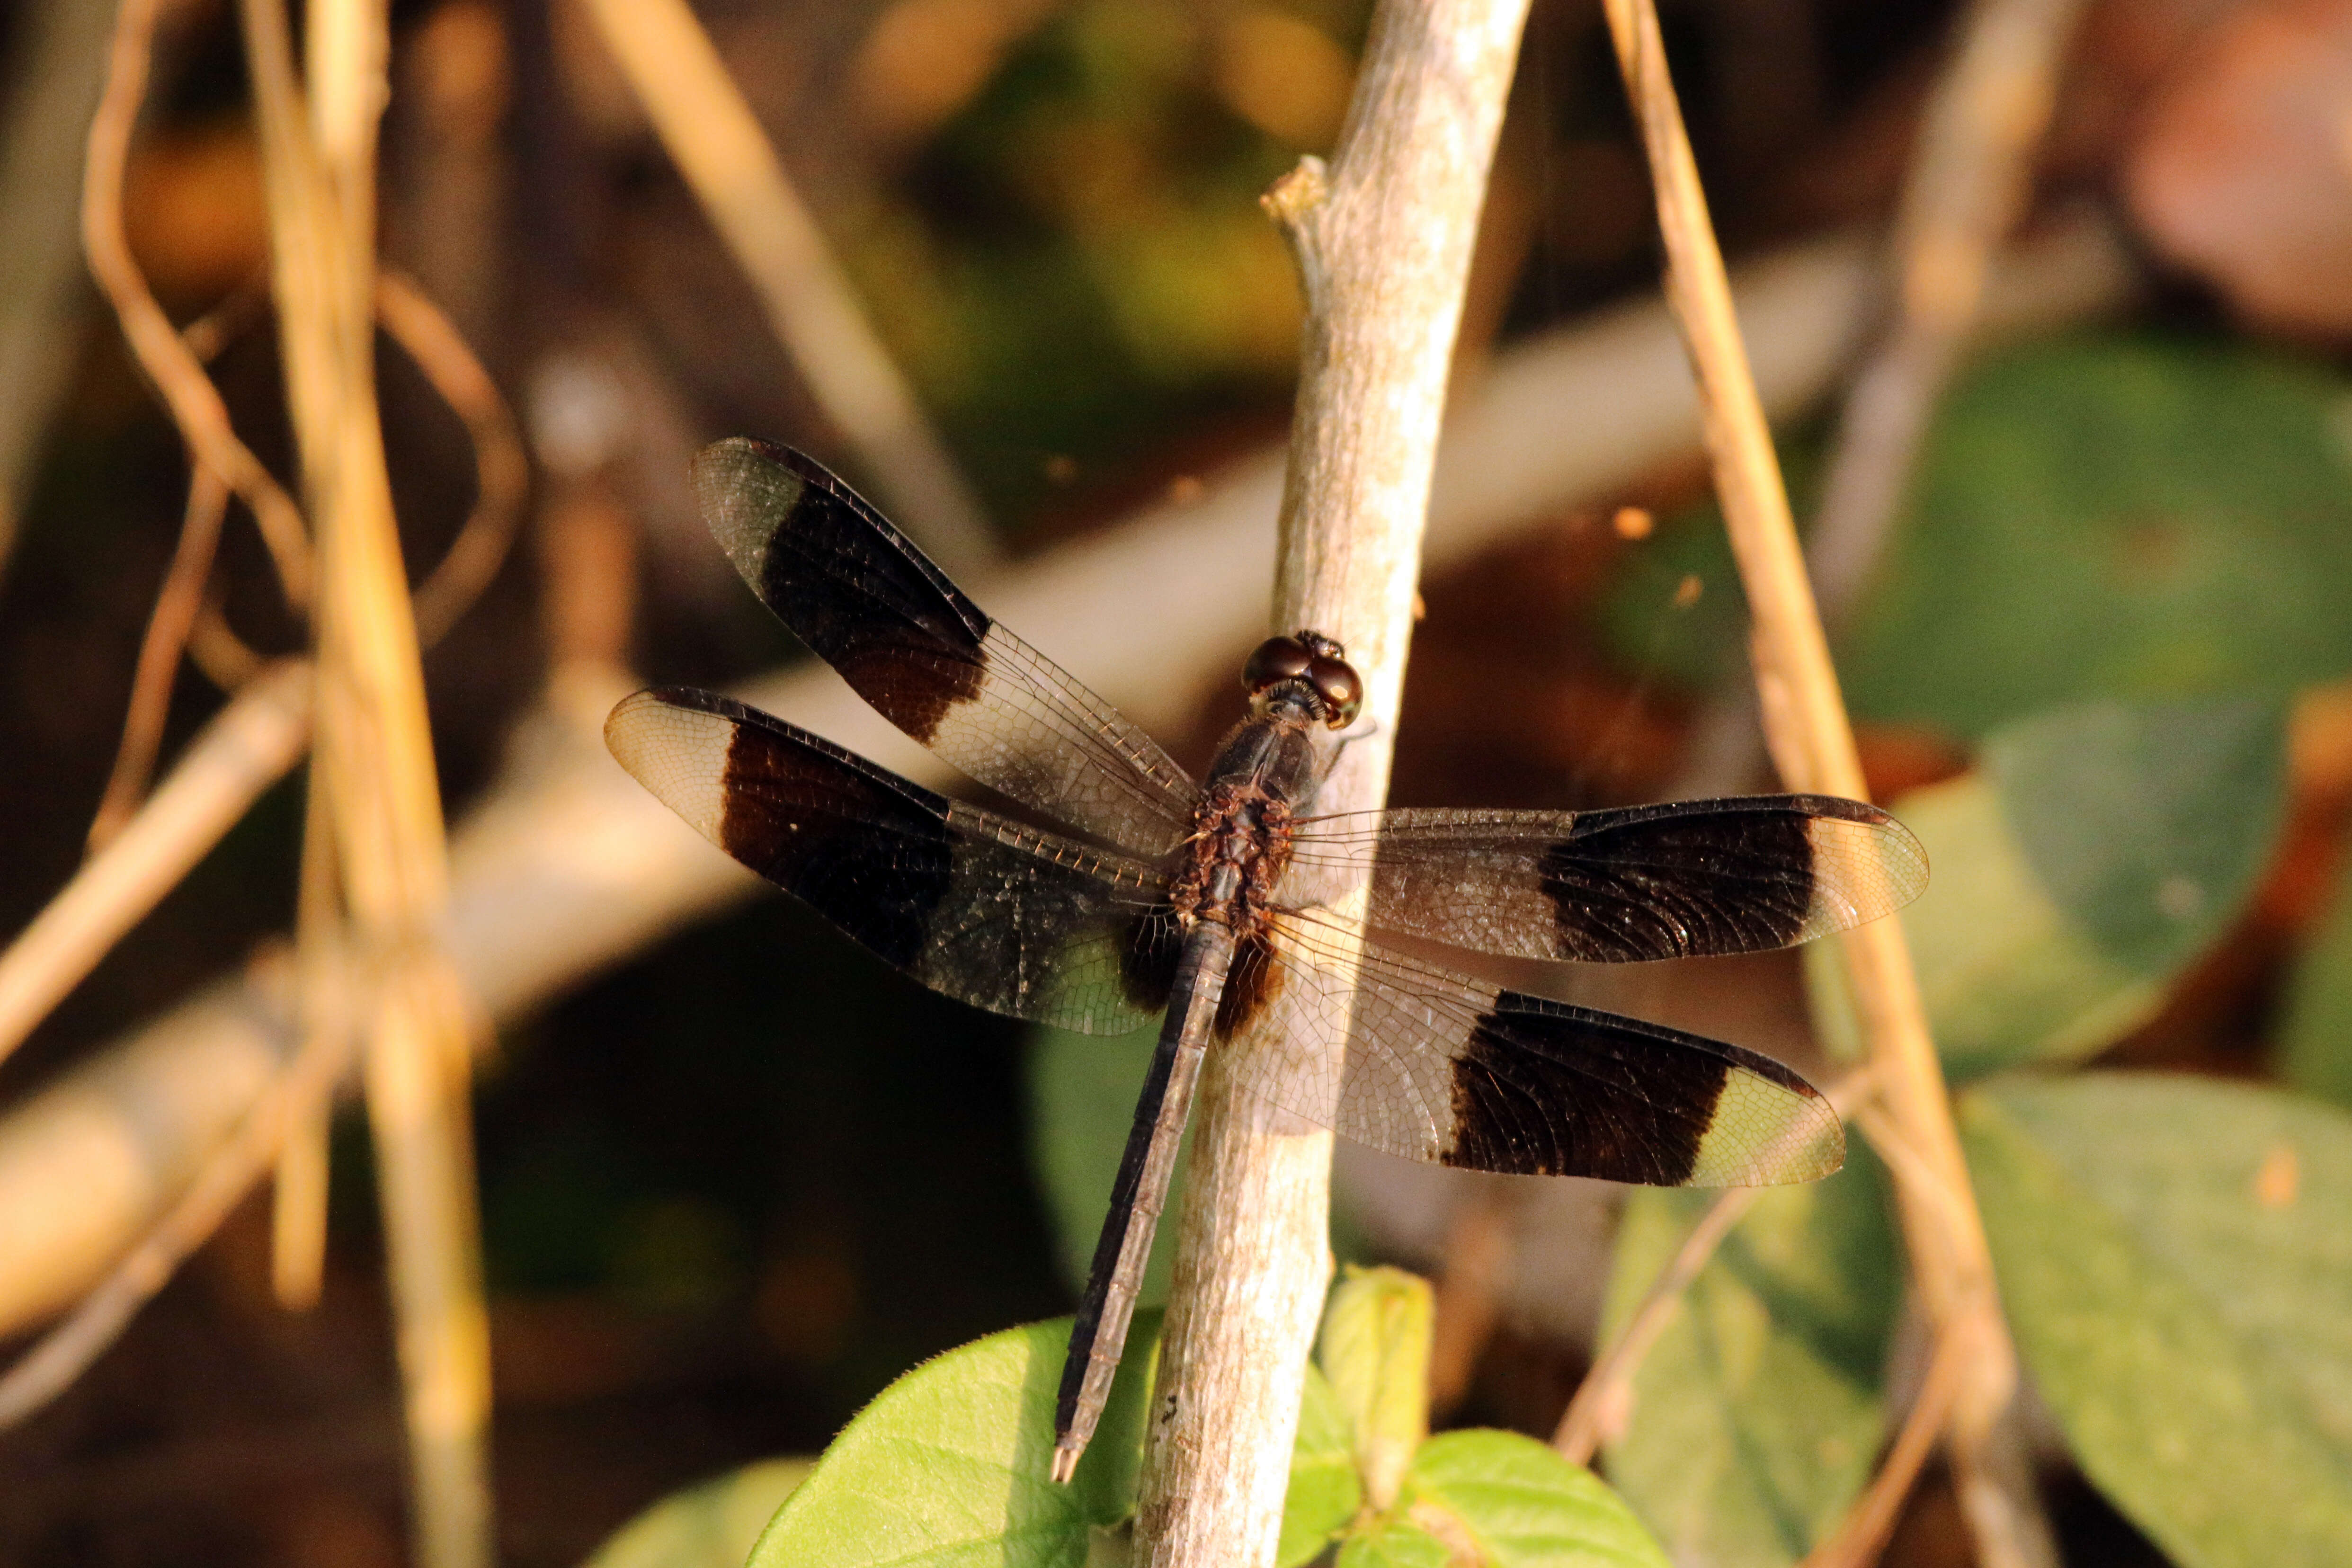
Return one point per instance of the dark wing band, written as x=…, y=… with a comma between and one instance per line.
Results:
x=1679, y=880
x=859, y=592
x=969, y=904
x=1441, y=1067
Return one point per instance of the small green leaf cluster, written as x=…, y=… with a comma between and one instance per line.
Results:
x=949, y=1465
x=1368, y=1478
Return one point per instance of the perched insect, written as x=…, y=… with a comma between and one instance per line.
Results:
x=1188, y=900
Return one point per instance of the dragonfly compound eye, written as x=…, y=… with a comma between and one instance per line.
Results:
x=1278, y=659
x=1341, y=688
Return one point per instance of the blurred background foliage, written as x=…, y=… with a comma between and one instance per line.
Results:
x=733, y=1187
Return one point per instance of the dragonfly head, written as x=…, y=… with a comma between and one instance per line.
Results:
x=1309, y=671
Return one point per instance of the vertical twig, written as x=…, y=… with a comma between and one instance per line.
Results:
x=375, y=757
x=702, y=118
x=298, y=1214
x=1384, y=243
x=1812, y=744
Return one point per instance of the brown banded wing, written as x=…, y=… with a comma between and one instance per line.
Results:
x=1438, y=1066
x=974, y=906
x=1441, y=1067
x=929, y=659
x=1678, y=881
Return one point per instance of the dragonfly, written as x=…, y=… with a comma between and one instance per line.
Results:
x=1209, y=905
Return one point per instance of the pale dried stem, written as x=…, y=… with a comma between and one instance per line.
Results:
x=375, y=757
x=168, y=625
x=727, y=159
x=1968, y=183
x=297, y=1215
x=1383, y=241
x=568, y=866
x=249, y=745
x=62, y=1354
x=1811, y=741
x=195, y=404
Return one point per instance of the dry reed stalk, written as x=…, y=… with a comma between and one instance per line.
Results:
x=727, y=159
x=1382, y=241
x=195, y=402
x=298, y=1213
x=1812, y=744
x=374, y=758
x=249, y=745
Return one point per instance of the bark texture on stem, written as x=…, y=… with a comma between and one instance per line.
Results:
x=1383, y=239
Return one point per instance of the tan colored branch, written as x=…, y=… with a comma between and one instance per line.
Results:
x=568, y=865
x=62, y=1354
x=248, y=746
x=1603, y=1401
x=1812, y=744
x=725, y=156
x=1383, y=240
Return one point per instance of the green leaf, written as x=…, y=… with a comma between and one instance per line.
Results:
x=2175, y=1262
x=1499, y=1500
x=1756, y=1412
x=1325, y=1492
x=2096, y=852
x=1375, y=1350
x=2316, y=1038
x=950, y=1464
x=2147, y=822
x=712, y=1524
x=2121, y=516
x=1082, y=1095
